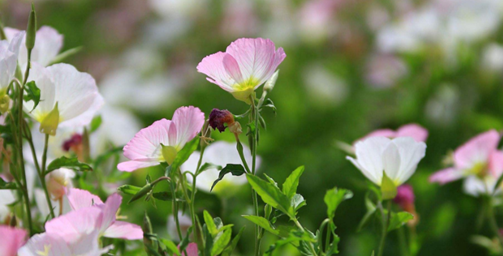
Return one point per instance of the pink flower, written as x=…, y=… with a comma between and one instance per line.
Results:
x=479, y=157
x=11, y=240
x=191, y=250
x=405, y=197
x=245, y=65
x=147, y=146
x=106, y=223
x=417, y=132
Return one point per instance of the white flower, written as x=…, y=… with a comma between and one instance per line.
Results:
x=218, y=153
x=48, y=43
x=75, y=93
x=492, y=57
x=397, y=157
x=8, y=60
x=476, y=186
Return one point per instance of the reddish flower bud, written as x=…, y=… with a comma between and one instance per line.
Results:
x=220, y=117
x=74, y=141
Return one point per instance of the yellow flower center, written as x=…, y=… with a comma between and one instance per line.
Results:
x=46, y=251
x=243, y=90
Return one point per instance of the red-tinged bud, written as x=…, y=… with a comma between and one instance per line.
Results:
x=220, y=117
x=405, y=199
x=74, y=141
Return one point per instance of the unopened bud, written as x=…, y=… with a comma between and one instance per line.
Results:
x=220, y=117
x=58, y=181
x=269, y=85
x=4, y=103
x=50, y=123
x=235, y=128
x=31, y=31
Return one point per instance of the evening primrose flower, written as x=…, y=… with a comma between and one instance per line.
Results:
x=218, y=153
x=8, y=61
x=48, y=43
x=68, y=98
x=414, y=131
x=478, y=159
x=246, y=65
x=59, y=181
x=12, y=240
x=398, y=158
x=161, y=141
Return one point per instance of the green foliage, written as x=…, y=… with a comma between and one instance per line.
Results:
x=234, y=169
x=270, y=194
x=292, y=182
x=399, y=219
x=71, y=163
x=95, y=123
x=32, y=93
x=333, y=198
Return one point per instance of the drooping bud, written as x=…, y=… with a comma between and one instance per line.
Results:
x=218, y=119
x=31, y=31
x=169, y=153
x=50, y=123
x=72, y=143
x=4, y=103
x=269, y=85
x=58, y=181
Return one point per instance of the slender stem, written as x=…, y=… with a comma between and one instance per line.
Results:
x=193, y=197
x=385, y=223
x=492, y=220
x=403, y=241
x=174, y=209
x=254, y=141
x=42, y=176
x=311, y=247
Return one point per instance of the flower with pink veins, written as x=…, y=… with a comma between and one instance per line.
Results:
x=163, y=139
x=245, y=65
x=415, y=131
x=106, y=224
x=479, y=157
x=12, y=240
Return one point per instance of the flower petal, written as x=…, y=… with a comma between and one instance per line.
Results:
x=55, y=245
x=191, y=250
x=213, y=67
x=12, y=240
x=446, y=175
x=496, y=164
x=391, y=161
x=110, y=209
x=415, y=131
x=188, y=121
x=72, y=225
x=476, y=150
x=124, y=230
x=369, y=156
x=80, y=198
x=411, y=152
x=130, y=166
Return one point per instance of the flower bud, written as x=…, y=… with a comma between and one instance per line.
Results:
x=220, y=117
x=50, y=123
x=31, y=31
x=58, y=181
x=269, y=85
x=4, y=103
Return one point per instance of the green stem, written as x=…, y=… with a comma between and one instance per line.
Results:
x=311, y=247
x=193, y=198
x=254, y=118
x=42, y=174
x=492, y=221
x=385, y=223
x=403, y=242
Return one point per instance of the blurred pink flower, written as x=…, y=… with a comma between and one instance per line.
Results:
x=246, y=64
x=239, y=19
x=317, y=19
x=479, y=156
x=405, y=196
x=146, y=148
x=107, y=224
x=415, y=131
x=191, y=250
x=384, y=71
x=11, y=240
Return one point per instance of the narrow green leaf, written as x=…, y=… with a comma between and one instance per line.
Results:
x=210, y=223
x=129, y=189
x=32, y=93
x=7, y=185
x=333, y=198
x=64, y=55
x=263, y=223
x=234, y=169
x=221, y=242
x=270, y=194
x=142, y=192
x=71, y=163
x=388, y=188
x=229, y=249
x=170, y=246
x=184, y=154
x=292, y=182
x=399, y=219
x=95, y=123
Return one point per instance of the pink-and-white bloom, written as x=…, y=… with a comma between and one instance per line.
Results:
x=147, y=146
x=59, y=181
x=414, y=131
x=9, y=52
x=48, y=43
x=74, y=92
x=106, y=224
x=12, y=240
x=245, y=65
x=478, y=158
x=397, y=157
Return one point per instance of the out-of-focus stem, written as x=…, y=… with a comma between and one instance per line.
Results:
x=492, y=221
x=42, y=175
x=385, y=223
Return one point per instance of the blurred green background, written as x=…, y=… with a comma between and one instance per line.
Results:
x=350, y=69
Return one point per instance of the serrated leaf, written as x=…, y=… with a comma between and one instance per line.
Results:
x=292, y=182
x=32, y=93
x=270, y=194
x=262, y=222
x=333, y=198
x=71, y=163
x=234, y=169
x=399, y=219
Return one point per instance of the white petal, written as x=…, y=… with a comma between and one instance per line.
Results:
x=391, y=161
x=411, y=152
x=369, y=155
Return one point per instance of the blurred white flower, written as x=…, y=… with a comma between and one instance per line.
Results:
x=324, y=87
x=492, y=57
x=476, y=186
x=218, y=153
x=6, y=198
x=8, y=60
x=384, y=70
x=443, y=107
x=43, y=207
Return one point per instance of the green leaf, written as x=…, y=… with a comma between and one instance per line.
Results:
x=210, y=223
x=142, y=192
x=292, y=182
x=129, y=189
x=262, y=222
x=298, y=202
x=71, y=163
x=399, y=219
x=388, y=187
x=273, y=182
x=7, y=185
x=371, y=209
x=64, y=55
x=333, y=198
x=184, y=154
x=234, y=169
x=221, y=242
x=32, y=93
x=170, y=246
x=270, y=194
x=228, y=250
x=95, y=124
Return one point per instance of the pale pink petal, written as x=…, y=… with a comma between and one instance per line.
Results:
x=496, y=164
x=82, y=198
x=72, y=225
x=476, y=150
x=130, y=166
x=213, y=67
x=388, y=133
x=110, y=209
x=415, y=131
x=124, y=230
x=188, y=121
x=257, y=57
x=446, y=175
x=11, y=240
x=232, y=68
x=191, y=250
x=41, y=242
